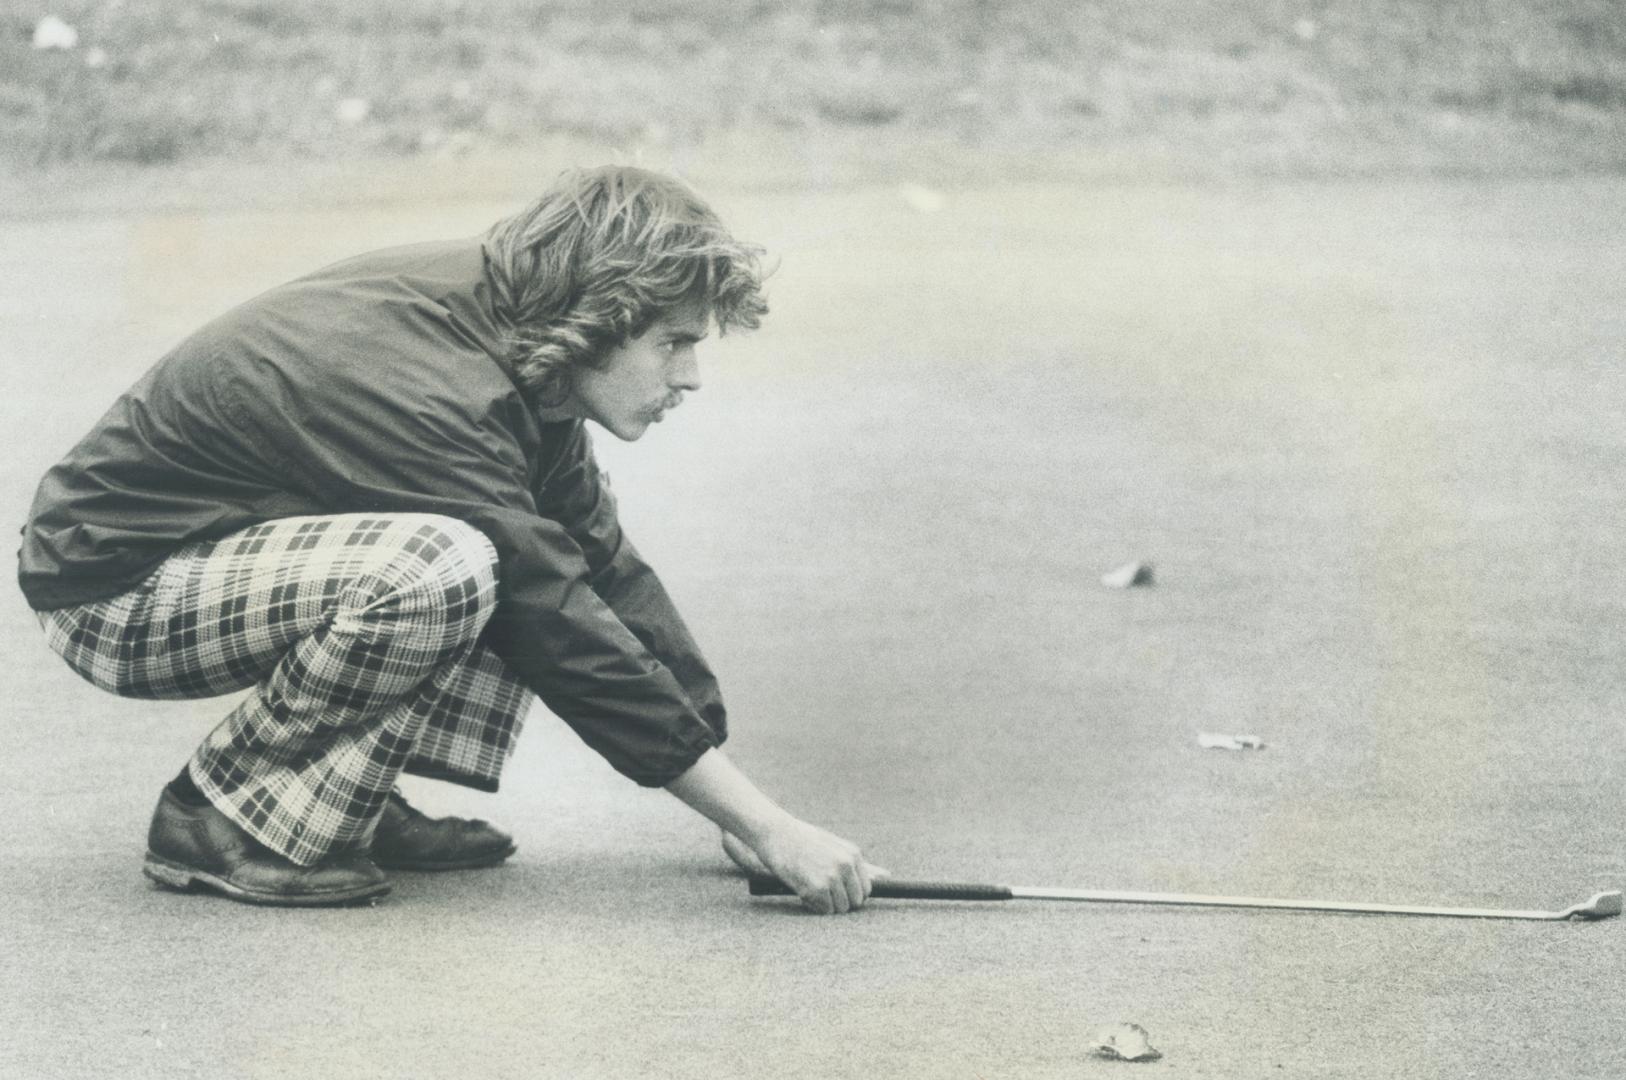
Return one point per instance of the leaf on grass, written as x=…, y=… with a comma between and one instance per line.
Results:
x=1128, y=575
x=1124, y=1042
x=1209, y=740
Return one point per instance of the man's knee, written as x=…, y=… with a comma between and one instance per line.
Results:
x=441, y=574
x=467, y=571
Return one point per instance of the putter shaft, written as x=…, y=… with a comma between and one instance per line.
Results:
x=1602, y=905
x=1599, y=906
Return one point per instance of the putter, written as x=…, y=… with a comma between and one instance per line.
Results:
x=1601, y=906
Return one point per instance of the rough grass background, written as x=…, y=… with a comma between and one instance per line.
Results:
x=1256, y=87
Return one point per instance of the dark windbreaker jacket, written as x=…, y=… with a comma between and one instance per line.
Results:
x=375, y=385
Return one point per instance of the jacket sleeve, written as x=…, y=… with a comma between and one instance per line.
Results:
x=552, y=626
x=577, y=495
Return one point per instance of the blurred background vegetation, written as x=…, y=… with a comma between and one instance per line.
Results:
x=1254, y=87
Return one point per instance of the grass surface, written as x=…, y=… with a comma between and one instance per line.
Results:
x=1236, y=86
x=1370, y=434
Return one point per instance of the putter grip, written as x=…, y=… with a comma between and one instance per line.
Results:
x=888, y=889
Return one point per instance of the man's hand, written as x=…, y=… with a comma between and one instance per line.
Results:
x=830, y=874
x=746, y=859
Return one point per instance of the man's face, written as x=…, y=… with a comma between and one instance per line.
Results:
x=641, y=380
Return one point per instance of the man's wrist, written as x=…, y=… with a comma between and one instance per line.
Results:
x=714, y=787
x=756, y=829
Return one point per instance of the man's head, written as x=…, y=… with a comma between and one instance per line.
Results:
x=607, y=282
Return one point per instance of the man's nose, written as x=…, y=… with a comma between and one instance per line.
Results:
x=686, y=373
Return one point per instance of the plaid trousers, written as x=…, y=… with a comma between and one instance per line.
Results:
x=358, y=634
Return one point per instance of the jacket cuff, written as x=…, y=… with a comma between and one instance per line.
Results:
x=680, y=758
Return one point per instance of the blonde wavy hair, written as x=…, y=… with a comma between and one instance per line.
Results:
x=598, y=258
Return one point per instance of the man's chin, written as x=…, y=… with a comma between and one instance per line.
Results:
x=629, y=430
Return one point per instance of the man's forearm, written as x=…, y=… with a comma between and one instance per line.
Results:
x=716, y=789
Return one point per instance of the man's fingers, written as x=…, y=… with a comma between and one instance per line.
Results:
x=846, y=892
x=821, y=897
x=830, y=874
x=853, y=882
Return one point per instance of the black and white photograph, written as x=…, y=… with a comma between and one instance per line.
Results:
x=857, y=539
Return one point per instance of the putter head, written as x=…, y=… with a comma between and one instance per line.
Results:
x=1601, y=906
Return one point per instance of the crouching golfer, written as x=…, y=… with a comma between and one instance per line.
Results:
x=369, y=495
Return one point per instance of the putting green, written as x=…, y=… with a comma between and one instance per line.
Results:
x=1371, y=436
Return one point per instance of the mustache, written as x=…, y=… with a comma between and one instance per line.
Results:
x=666, y=404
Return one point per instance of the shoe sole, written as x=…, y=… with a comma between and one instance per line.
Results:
x=424, y=866
x=187, y=879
